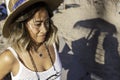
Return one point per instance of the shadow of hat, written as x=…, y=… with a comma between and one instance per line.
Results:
x=97, y=23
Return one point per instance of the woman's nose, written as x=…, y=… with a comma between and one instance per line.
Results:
x=43, y=28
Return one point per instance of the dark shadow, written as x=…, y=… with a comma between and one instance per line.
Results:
x=71, y=63
x=84, y=57
x=8, y=77
x=97, y=23
x=65, y=56
x=83, y=54
x=112, y=58
x=67, y=6
x=80, y=61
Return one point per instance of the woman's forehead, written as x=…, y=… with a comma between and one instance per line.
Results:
x=42, y=13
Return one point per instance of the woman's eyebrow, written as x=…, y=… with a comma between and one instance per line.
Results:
x=39, y=20
x=47, y=19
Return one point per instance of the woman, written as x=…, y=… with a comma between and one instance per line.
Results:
x=33, y=53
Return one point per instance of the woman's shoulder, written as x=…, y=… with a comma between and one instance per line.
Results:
x=6, y=63
x=7, y=57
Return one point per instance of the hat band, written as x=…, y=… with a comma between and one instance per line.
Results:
x=17, y=4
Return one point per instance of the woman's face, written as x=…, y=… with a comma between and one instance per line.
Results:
x=38, y=26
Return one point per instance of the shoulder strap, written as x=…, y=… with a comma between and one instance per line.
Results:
x=13, y=52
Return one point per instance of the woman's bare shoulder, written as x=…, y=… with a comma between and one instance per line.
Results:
x=7, y=57
x=7, y=60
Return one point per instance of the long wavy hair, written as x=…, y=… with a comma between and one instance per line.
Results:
x=19, y=35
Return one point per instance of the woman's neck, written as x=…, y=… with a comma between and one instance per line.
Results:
x=35, y=46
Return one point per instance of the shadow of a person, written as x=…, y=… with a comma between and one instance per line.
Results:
x=106, y=27
x=84, y=57
x=80, y=60
x=112, y=58
x=71, y=63
x=77, y=70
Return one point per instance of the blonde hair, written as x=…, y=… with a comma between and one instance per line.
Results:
x=19, y=35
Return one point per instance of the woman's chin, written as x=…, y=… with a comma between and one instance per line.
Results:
x=39, y=41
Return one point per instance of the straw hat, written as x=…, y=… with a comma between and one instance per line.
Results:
x=17, y=6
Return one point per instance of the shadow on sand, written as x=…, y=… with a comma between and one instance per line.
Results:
x=80, y=61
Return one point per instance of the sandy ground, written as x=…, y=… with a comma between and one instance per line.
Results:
x=105, y=58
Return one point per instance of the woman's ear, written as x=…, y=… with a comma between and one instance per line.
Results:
x=27, y=24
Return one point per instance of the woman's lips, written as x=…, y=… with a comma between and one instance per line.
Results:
x=43, y=36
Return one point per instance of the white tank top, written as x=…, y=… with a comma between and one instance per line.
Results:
x=26, y=74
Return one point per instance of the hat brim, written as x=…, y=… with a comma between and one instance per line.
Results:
x=6, y=28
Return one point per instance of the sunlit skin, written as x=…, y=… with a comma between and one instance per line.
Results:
x=38, y=26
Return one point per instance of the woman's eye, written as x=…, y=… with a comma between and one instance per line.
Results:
x=38, y=24
x=47, y=22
